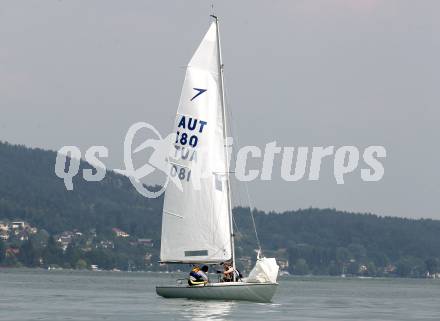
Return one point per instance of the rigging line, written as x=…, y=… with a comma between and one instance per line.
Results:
x=235, y=195
x=236, y=230
x=232, y=130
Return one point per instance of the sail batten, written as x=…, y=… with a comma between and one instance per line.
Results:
x=195, y=221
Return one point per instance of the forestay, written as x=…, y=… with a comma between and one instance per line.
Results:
x=195, y=223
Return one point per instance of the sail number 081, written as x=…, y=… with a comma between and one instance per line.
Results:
x=181, y=172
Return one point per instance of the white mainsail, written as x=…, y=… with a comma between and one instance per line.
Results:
x=196, y=221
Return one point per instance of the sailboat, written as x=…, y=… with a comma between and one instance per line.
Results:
x=197, y=223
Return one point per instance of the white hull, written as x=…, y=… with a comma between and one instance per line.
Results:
x=258, y=292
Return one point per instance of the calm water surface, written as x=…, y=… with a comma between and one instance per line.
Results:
x=67, y=295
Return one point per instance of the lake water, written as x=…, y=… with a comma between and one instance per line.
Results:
x=71, y=295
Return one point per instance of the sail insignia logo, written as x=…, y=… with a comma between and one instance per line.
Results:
x=199, y=92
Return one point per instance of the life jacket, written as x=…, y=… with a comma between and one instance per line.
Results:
x=195, y=278
x=191, y=282
x=194, y=272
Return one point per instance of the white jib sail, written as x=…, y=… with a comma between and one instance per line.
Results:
x=195, y=222
x=264, y=271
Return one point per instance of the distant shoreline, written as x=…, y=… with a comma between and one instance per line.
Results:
x=291, y=276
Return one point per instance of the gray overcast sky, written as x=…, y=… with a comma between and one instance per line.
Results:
x=301, y=72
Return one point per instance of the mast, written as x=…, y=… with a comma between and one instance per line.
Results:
x=228, y=184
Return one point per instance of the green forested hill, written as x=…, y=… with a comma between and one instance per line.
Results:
x=30, y=190
x=319, y=241
x=331, y=242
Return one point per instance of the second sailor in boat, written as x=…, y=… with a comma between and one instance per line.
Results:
x=229, y=271
x=198, y=276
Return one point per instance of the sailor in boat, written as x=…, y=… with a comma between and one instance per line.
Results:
x=198, y=276
x=229, y=271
